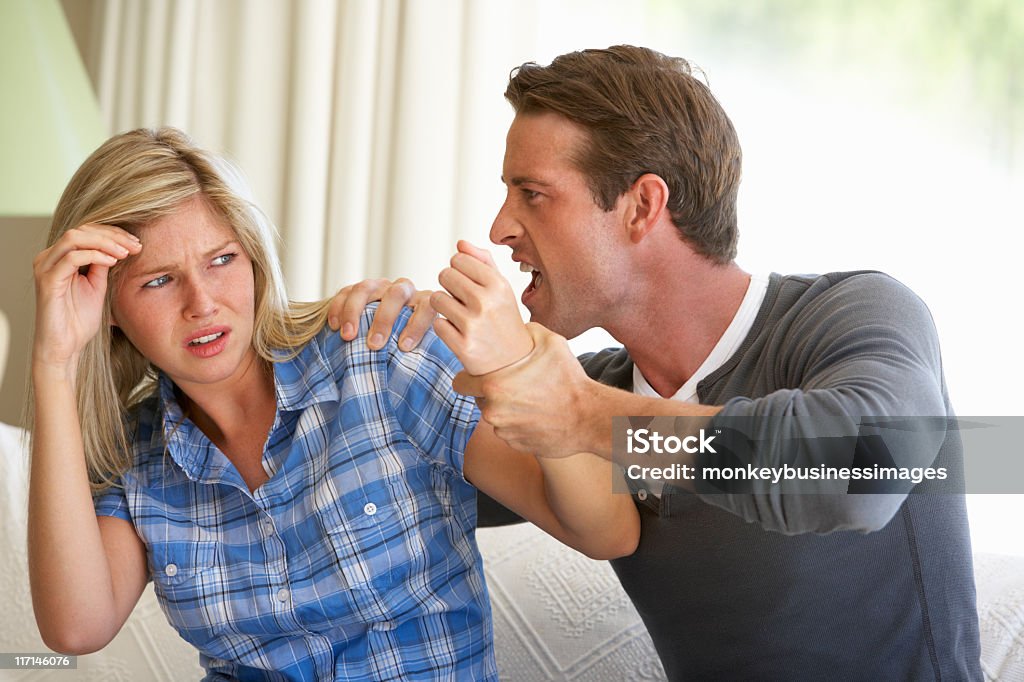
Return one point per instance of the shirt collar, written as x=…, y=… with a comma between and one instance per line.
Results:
x=187, y=445
x=305, y=379
x=299, y=382
x=724, y=349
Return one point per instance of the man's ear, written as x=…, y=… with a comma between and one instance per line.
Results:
x=649, y=199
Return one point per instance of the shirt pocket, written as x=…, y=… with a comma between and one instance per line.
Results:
x=374, y=539
x=184, y=579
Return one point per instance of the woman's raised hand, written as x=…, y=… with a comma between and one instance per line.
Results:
x=71, y=283
x=481, y=322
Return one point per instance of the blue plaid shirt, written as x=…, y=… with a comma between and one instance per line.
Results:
x=357, y=560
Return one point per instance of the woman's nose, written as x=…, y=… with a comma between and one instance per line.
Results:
x=199, y=302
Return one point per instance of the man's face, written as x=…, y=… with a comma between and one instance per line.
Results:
x=552, y=224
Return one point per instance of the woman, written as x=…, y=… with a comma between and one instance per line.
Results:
x=301, y=503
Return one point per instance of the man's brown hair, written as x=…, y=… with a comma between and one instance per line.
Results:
x=645, y=112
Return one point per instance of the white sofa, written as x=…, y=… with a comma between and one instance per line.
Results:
x=557, y=614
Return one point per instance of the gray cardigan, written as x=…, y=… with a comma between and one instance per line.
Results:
x=750, y=583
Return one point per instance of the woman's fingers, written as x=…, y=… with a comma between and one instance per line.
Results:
x=112, y=241
x=61, y=275
x=449, y=334
x=449, y=308
x=482, y=322
x=477, y=271
x=76, y=260
x=71, y=282
x=461, y=287
x=482, y=255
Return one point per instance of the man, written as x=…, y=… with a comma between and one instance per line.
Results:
x=622, y=173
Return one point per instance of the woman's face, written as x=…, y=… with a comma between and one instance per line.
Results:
x=187, y=301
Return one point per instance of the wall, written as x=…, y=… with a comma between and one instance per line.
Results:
x=22, y=239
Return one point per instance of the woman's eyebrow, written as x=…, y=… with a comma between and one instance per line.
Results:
x=164, y=268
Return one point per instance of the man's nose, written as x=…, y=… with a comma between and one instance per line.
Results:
x=505, y=229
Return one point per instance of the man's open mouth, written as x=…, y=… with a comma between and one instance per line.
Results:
x=536, y=280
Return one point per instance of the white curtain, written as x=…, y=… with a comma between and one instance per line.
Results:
x=371, y=131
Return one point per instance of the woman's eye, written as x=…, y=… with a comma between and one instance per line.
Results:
x=224, y=259
x=158, y=282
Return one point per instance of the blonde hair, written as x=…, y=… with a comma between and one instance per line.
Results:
x=134, y=179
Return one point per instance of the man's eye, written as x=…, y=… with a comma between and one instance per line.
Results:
x=158, y=282
x=530, y=194
x=224, y=259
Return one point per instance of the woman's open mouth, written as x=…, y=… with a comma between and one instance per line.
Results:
x=208, y=342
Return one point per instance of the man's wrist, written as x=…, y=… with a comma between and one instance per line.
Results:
x=591, y=427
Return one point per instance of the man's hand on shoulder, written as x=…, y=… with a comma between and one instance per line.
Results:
x=350, y=302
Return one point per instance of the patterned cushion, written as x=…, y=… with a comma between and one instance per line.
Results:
x=147, y=648
x=559, y=615
x=1000, y=581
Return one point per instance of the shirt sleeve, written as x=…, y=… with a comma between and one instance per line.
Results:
x=435, y=418
x=863, y=360
x=112, y=502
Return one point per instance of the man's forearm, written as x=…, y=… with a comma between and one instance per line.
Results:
x=545, y=404
x=597, y=404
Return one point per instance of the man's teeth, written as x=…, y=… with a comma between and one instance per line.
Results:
x=205, y=339
x=525, y=267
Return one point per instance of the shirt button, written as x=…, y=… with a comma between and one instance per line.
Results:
x=370, y=509
x=282, y=595
x=268, y=527
x=171, y=570
x=642, y=494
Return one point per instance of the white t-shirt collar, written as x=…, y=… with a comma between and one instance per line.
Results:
x=727, y=345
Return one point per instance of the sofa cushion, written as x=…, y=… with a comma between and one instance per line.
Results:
x=559, y=615
x=147, y=648
x=1000, y=582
